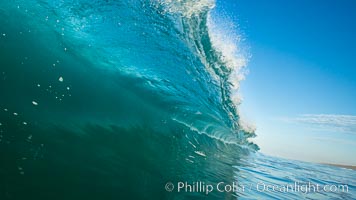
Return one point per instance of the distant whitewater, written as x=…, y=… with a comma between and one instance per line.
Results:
x=125, y=99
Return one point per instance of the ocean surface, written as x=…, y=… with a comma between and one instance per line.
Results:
x=134, y=99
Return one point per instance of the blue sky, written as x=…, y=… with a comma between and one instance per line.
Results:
x=301, y=88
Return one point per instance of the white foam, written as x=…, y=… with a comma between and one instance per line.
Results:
x=227, y=42
x=200, y=153
x=186, y=8
x=246, y=124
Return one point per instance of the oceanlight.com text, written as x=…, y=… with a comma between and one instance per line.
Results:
x=296, y=187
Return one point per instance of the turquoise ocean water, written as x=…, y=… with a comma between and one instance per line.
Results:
x=133, y=99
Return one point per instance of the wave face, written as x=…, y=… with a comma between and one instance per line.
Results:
x=109, y=94
x=112, y=99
